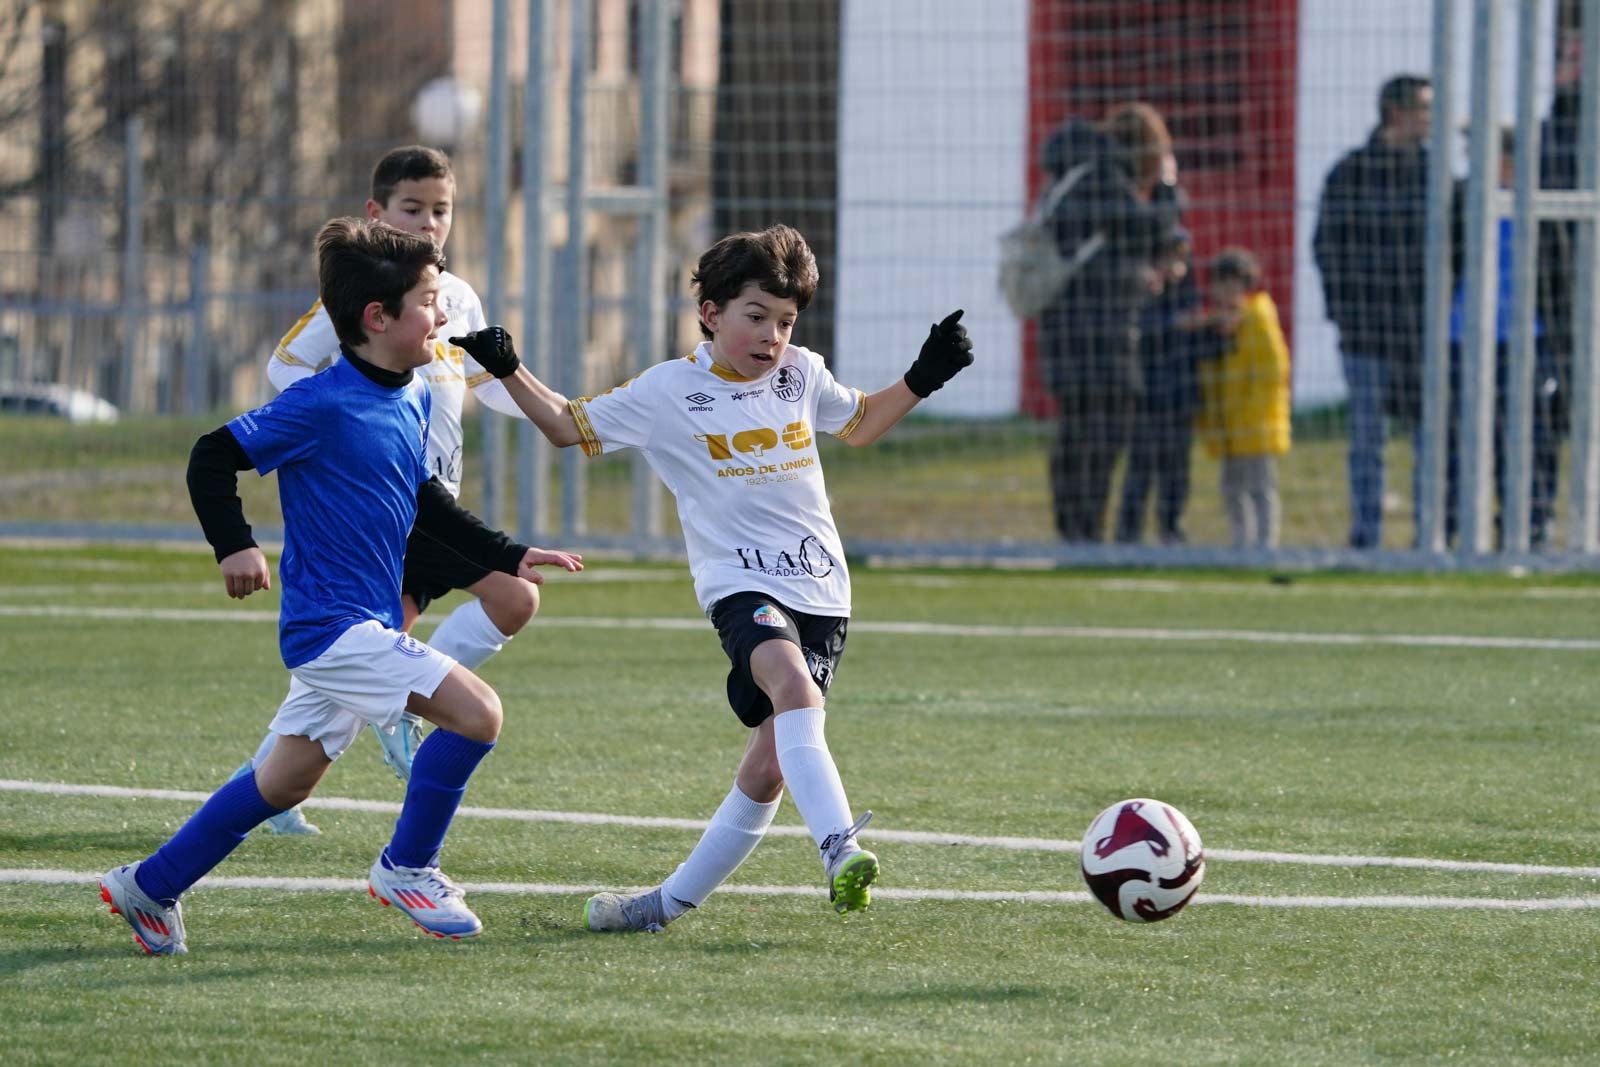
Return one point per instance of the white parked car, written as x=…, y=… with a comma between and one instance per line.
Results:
x=55, y=401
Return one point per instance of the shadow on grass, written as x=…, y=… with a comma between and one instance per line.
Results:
x=972, y=994
x=132, y=845
x=230, y=958
x=18, y=961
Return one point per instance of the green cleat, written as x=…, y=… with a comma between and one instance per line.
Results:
x=851, y=869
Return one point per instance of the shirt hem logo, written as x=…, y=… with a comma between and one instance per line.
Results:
x=809, y=559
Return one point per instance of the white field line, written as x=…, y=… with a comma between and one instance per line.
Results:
x=109, y=589
x=913, y=629
x=37, y=876
x=1258, y=587
x=918, y=837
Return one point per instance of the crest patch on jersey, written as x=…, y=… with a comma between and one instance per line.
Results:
x=767, y=615
x=789, y=384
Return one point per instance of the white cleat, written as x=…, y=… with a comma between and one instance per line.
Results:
x=400, y=743
x=614, y=912
x=433, y=902
x=157, y=929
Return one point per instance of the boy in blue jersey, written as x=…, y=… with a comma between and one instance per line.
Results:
x=414, y=189
x=350, y=449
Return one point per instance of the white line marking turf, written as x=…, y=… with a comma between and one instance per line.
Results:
x=34, y=876
x=920, y=837
x=913, y=629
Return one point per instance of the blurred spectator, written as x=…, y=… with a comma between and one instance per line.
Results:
x=1370, y=247
x=1558, y=169
x=1088, y=335
x=1554, y=260
x=1158, y=451
x=1244, y=416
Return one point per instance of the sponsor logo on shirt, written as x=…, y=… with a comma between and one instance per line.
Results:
x=699, y=401
x=767, y=615
x=808, y=559
x=748, y=395
x=789, y=384
x=756, y=442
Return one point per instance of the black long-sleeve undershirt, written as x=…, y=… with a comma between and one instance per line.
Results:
x=214, y=466
x=213, y=477
x=442, y=518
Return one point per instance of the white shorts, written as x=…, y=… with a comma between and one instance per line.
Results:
x=366, y=676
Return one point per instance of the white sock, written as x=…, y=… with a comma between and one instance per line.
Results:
x=468, y=636
x=264, y=748
x=809, y=772
x=733, y=833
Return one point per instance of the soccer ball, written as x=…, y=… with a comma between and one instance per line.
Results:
x=1142, y=859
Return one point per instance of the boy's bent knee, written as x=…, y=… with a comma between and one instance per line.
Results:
x=799, y=690
x=464, y=704
x=512, y=604
x=483, y=722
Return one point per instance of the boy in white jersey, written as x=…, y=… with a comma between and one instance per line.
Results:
x=731, y=431
x=350, y=450
x=413, y=189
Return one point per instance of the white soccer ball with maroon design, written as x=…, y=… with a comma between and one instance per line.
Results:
x=1142, y=859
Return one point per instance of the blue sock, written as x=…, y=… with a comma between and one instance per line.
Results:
x=205, y=840
x=438, y=782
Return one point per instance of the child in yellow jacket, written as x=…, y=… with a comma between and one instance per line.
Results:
x=1244, y=417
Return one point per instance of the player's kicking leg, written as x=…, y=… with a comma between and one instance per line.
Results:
x=779, y=667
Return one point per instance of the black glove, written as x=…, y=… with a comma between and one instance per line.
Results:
x=946, y=352
x=493, y=350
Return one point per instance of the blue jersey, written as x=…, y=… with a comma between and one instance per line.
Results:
x=350, y=455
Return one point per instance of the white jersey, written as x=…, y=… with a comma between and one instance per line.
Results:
x=741, y=459
x=310, y=345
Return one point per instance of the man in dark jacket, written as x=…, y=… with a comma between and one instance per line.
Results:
x=1088, y=337
x=1370, y=245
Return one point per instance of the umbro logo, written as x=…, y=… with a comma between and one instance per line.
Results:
x=699, y=401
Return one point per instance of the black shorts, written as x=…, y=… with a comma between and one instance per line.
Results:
x=433, y=569
x=745, y=620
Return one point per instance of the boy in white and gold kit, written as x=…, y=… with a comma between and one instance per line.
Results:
x=731, y=429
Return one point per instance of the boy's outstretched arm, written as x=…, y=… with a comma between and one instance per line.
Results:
x=946, y=352
x=547, y=409
x=213, y=477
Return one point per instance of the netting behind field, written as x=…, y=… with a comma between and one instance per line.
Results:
x=167, y=166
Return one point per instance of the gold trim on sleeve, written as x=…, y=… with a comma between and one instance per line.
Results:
x=855, y=420
x=282, y=351
x=283, y=355
x=588, y=440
